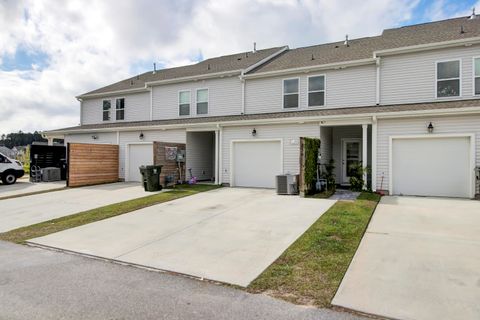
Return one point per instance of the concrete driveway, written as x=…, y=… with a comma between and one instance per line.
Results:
x=28, y=210
x=24, y=186
x=228, y=235
x=420, y=259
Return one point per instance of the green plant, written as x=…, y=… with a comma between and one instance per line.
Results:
x=311, y=147
x=356, y=172
x=329, y=175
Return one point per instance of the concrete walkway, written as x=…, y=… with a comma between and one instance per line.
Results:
x=41, y=284
x=28, y=210
x=229, y=234
x=24, y=186
x=420, y=259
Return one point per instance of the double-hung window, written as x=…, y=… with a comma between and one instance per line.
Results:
x=476, y=76
x=290, y=93
x=107, y=106
x=448, y=79
x=120, y=109
x=316, y=91
x=202, y=101
x=184, y=103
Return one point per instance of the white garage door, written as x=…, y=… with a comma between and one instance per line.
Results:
x=431, y=166
x=255, y=164
x=138, y=155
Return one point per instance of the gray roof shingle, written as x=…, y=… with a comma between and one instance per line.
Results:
x=363, y=48
x=226, y=63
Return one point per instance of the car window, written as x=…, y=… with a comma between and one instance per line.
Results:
x=2, y=159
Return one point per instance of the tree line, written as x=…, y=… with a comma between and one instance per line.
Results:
x=20, y=138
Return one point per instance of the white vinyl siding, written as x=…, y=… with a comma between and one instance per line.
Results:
x=289, y=134
x=350, y=87
x=137, y=108
x=418, y=126
x=201, y=154
x=411, y=78
x=224, y=97
x=102, y=138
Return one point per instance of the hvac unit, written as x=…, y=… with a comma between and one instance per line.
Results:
x=51, y=174
x=287, y=184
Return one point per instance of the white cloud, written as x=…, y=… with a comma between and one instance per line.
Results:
x=94, y=43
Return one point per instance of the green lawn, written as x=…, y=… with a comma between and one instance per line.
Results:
x=41, y=229
x=310, y=270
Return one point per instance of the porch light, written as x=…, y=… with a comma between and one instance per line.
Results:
x=141, y=136
x=94, y=137
x=254, y=132
x=430, y=128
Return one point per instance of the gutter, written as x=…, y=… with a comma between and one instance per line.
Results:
x=429, y=46
x=305, y=119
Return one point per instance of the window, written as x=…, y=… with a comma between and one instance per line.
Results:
x=316, y=91
x=202, y=101
x=120, y=109
x=184, y=103
x=107, y=104
x=476, y=75
x=290, y=93
x=448, y=79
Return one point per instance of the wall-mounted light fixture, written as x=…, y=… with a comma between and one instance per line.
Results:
x=94, y=137
x=430, y=128
x=254, y=132
x=141, y=136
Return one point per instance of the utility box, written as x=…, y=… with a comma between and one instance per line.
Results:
x=51, y=174
x=287, y=184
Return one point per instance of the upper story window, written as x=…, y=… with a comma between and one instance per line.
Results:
x=448, y=79
x=184, y=103
x=476, y=75
x=107, y=106
x=202, y=101
x=316, y=91
x=290, y=93
x=120, y=109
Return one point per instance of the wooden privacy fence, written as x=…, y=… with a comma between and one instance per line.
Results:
x=90, y=164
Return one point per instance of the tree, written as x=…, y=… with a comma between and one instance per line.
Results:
x=20, y=139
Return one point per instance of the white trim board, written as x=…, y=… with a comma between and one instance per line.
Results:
x=471, y=136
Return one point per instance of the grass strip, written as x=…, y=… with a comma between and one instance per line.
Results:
x=311, y=269
x=22, y=234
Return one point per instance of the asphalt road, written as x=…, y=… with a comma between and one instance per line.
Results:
x=42, y=284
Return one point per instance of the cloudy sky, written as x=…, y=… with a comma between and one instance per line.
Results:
x=52, y=50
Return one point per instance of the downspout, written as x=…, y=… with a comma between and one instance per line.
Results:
x=242, y=80
x=151, y=103
x=377, y=84
x=374, y=153
x=220, y=157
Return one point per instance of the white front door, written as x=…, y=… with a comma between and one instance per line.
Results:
x=138, y=155
x=351, y=154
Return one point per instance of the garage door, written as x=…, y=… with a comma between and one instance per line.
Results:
x=138, y=155
x=431, y=166
x=255, y=164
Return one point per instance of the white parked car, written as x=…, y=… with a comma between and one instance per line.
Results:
x=10, y=169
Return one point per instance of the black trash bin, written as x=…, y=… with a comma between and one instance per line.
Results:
x=151, y=177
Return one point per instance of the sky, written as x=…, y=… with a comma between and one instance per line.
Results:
x=54, y=50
